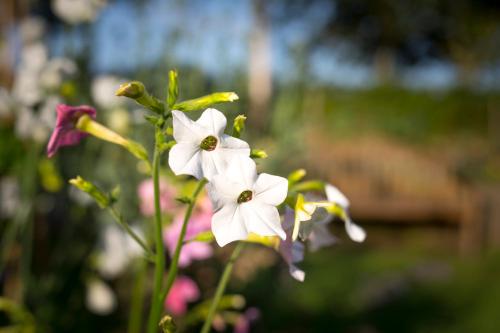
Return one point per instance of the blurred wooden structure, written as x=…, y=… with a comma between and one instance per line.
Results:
x=393, y=183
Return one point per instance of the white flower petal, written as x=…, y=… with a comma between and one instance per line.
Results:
x=100, y=298
x=185, y=159
x=233, y=145
x=214, y=121
x=223, y=191
x=186, y=130
x=297, y=273
x=355, y=232
x=333, y=194
x=262, y=219
x=270, y=189
x=228, y=225
x=242, y=169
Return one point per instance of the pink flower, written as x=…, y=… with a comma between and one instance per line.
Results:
x=200, y=221
x=183, y=291
x=244, y=321
x=146, y=194
x=65, y=132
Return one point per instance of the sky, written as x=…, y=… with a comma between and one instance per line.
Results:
x=213, y=35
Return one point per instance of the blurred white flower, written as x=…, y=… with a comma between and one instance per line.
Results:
x=291, y=250
x=245, y=202
x=55, y=72
x=9, y=197
x=100, y=298
x=119, y=120
x=202, y=149
x=103, y=90
x=77, y=11
x=32, y=29
x=118, y=250
x=355, y=232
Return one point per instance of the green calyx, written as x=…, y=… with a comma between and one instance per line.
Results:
x=245, y=196
x=209, y=143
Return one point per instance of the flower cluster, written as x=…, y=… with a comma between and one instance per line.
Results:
x=287, y=214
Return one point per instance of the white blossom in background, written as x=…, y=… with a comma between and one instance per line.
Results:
x=77, y=11
x=32, y=29
x=6, y=104
x=55, y=72
x=9, y=197
x=103, y=89
x=202, y=149
x=291, y=250
x=118, y=250
x=245, y=202
x=100, y=298
x=355, y=232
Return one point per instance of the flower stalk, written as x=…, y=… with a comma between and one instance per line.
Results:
x=172, y=273
x=221, y=287
x=154, y=315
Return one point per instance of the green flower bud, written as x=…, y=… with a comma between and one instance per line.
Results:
x=134, y=90
x=258, y=153
x=238, y=125
x=206, y=101
x=83, y=185
x=173, y=88
x=296, y=176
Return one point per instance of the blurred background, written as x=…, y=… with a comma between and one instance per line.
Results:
x=395, y=102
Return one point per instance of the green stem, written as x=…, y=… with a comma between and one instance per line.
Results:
x=172, y=273
x=119, y=219
x=221, y=287
x=156, y=305
x=137, y=302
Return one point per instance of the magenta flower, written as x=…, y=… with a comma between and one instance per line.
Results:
x=183, y=291
x=200, y=221
x=146, y=194
x=65, y=133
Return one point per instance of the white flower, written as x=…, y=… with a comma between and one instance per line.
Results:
x=244, y=202
x=118, y=251
x=100, y=298
x=77, y=11
x=291, y=250
x=103, y=91
x=355, y=232
x=202, y=148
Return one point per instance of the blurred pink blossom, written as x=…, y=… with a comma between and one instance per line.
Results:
x=65, y=133
x=145, y=191
x=183, y=291
x=244, y=321
x=200, y=221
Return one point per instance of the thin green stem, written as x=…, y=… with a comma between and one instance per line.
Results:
x=137, y=302
x=172, y=273
x=120, y=220
x=154, y=315
x=221, y=287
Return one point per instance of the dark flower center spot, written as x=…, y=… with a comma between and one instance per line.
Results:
x=245, y=196
x=209, y=143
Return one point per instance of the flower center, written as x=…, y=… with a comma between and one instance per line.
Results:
x=209, y=143
x=245, y=196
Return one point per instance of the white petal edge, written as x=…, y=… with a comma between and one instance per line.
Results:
x=185, y=159
x=242, y=169
x=270, y=189
x=223, y=191
x=262, y=219
x=297, y=273
x=333, y=194
x=186, y=130
x=228, y=225
x=355, y=232
x=214, y=121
